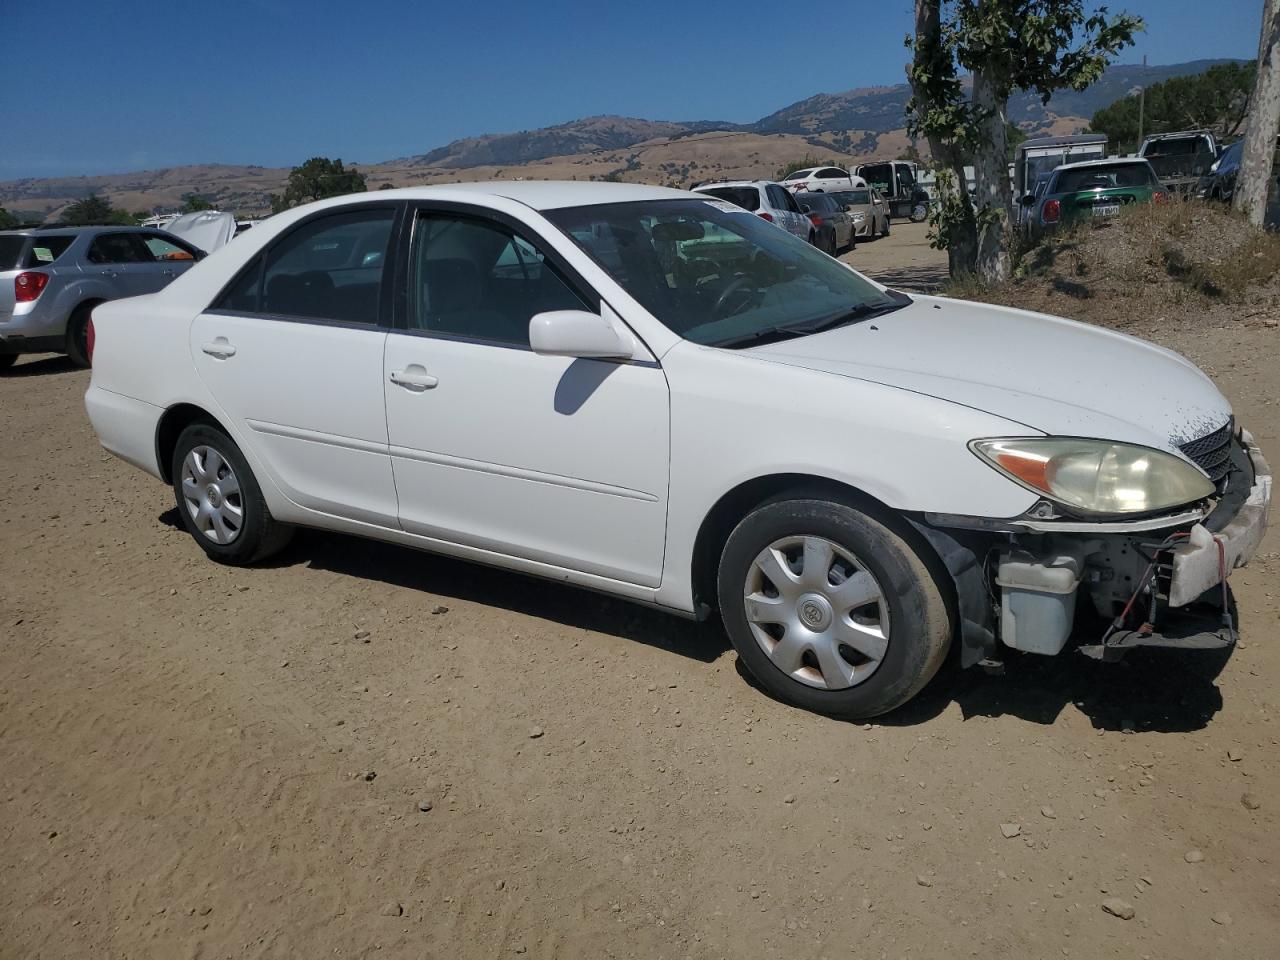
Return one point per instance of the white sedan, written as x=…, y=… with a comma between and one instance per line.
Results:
x=657, y=395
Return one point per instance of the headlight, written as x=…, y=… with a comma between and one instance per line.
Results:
x=1096, y=476
x=859, y=216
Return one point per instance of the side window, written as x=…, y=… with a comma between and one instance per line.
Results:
x=118, y=248
x=778, y=197
x=477, y=280
x=328, y=269
x=163, y=249
x=789, y=202
x=832, y=173
x=46, y=249
x=244, y=294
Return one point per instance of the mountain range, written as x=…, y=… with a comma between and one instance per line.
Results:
x=847, y=127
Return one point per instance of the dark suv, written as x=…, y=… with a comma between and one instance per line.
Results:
x=51, y=277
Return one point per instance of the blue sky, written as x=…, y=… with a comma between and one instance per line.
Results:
x=127, y=86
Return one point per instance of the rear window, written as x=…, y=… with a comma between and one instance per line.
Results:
x=818, y=202
x=748, y=198
x=45, y=250
x=854, y=196
x=1105, y=178
x=800, y=174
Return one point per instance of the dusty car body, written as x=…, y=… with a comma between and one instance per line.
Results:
x=1181, y=159
x=868, y=209
x=655, y=394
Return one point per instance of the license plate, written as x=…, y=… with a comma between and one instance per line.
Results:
x=1107, y=210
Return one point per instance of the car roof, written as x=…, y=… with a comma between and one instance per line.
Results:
x=538, y=194
x=733, y=183
x=1109, y=161
x=47, y=228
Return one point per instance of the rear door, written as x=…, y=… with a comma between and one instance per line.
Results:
x=292, y=353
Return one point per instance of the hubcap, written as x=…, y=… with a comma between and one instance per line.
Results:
x=817, y=612
x=212, y=495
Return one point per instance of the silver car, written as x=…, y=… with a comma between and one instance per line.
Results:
x=52, y=277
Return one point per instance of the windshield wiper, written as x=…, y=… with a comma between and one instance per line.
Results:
x=863, y=311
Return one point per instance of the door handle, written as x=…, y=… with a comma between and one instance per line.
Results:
x=168, y=272
x=109, y=273
x=414, y=377
x=219, y=349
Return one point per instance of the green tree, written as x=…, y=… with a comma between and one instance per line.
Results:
x=387, y=186
x=7, y=220
x=1216, y=100
x=95, y=209
x=1004, y=46
x=195, y=203
x=316, y=179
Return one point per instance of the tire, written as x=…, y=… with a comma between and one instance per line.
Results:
x=886, y=227
x=7, y=360
x=831, y=247
x=813, y=239
x=77, y=334
x=209, y=500
x=832, y=677
x=919, y=213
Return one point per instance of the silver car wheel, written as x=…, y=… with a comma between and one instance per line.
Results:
x=212, y=495
x=817, y=612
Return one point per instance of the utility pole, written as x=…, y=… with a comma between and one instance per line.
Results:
x=1142, y=100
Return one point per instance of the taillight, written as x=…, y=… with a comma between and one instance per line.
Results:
x=89, y=338
x=815, y=219
x=28, y=286
x=1052, y=210
x=798, y=187
x=766, y=216
x=1160, y=197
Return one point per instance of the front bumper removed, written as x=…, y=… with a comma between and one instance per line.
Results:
x=1034, y=584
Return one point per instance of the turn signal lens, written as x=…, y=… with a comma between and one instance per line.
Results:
x=1097, y=476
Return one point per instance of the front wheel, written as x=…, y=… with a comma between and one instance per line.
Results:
x=919, y=213
x=219, y=499
x=830, y=609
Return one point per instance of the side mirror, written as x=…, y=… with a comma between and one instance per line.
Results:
x=201, y=254
x=1027, y=199
x=804, y=208
x=576, y=333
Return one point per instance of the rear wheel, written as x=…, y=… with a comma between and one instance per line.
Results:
x=831, y=245
x=78, y=335
x=829, y=609
x=919, y=213
x=886, y=226
x=220, y=501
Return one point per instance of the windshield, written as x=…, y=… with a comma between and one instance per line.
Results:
x=1105, y=178
x=1179, y=157
x=849, y=197
x=748, y=198
x=714, y=274
x=11, y=250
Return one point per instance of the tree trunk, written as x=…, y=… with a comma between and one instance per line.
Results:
x=991, y=180
x=962, y=245
x=1254, y=179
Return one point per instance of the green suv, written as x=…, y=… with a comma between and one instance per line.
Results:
x=1094, y=188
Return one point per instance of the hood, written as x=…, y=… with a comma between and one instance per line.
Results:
x=207, y=229
x=1053, y=375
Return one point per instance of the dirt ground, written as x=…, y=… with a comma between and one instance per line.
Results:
x=202, y=762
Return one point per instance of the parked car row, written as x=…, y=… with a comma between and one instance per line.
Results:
x=832, y=214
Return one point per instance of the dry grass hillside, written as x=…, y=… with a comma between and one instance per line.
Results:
x=1179, y=268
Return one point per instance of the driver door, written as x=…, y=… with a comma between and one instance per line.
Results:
x=551, y=459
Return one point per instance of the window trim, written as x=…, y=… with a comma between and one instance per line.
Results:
x=168, y=238
x=259, y=262
x=416, y=210
x=132, y=237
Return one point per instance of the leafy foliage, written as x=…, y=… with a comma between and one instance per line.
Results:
x=1005, y=46
x=316, y=179
x=7, y=220
x=195, y=203
x=1216, y=100
x=95, y=209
